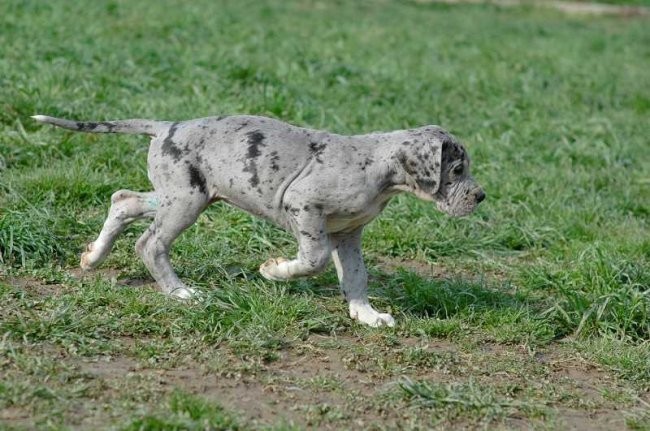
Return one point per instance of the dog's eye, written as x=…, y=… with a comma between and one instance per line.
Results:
x=458, y=170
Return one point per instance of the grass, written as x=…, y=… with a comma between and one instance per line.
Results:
x=623, y=2
x=532, y=313
x=460, y=400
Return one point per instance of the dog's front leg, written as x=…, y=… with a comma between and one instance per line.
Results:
x=353, y=277
x=313, y=253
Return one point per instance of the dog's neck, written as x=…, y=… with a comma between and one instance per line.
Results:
x=395, y=178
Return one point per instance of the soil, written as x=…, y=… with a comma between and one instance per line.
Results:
x=327, y=381
x=278, y=393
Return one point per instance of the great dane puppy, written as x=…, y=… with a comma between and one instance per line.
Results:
x=322, y=187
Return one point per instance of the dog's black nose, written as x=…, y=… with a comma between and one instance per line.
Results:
x=480, y=197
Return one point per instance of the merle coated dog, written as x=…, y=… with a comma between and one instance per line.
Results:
x=322, y=187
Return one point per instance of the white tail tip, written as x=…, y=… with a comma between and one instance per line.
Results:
x=40, y=118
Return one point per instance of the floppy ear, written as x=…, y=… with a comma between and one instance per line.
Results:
x=422, y=162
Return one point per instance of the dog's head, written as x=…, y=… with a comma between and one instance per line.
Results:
x=436, y=168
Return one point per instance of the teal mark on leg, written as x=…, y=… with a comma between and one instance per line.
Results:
x=152, y=202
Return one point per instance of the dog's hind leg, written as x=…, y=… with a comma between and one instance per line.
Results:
x=126, y=207
x=173, y=216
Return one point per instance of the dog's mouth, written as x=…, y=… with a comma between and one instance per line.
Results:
x=456, y=210
x=459, y=212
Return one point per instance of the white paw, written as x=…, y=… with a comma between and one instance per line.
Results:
x=88, y=262
x=182, y=292
x=364, y=313
x=271, y=270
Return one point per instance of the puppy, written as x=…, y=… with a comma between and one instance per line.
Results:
x=322, y=187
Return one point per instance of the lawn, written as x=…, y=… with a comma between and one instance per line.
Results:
x=532, y=313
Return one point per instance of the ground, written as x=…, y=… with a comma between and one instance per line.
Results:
x=533, y=313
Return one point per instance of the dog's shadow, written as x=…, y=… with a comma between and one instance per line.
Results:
x=411, y=292
x=420, y=295
x=446, y=296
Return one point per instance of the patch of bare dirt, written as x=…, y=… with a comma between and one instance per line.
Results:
x=561, y=361
x=314, y=385
x=43, y=288
x=114, y=276
x=423, y=269
x=603, y=420
x=333, y=382
x=435, y=270
x=18, y=417
x=36, y=287
x=303, y=386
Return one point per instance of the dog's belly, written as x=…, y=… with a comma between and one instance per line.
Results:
x=344, y=222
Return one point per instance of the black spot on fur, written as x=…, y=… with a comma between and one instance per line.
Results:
x=427, y=184
x=274, y=161
x=197, y=179
x=90, y=126
x=241, y=126
x=254, y=180
x=169, y=147
x=110, y=126
x=255, y=140
x=401, y=158
x=308, y=235
x=366, y=162
x=87, y=126
x=317, y=149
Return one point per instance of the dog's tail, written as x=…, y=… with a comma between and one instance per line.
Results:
x=136, y=127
